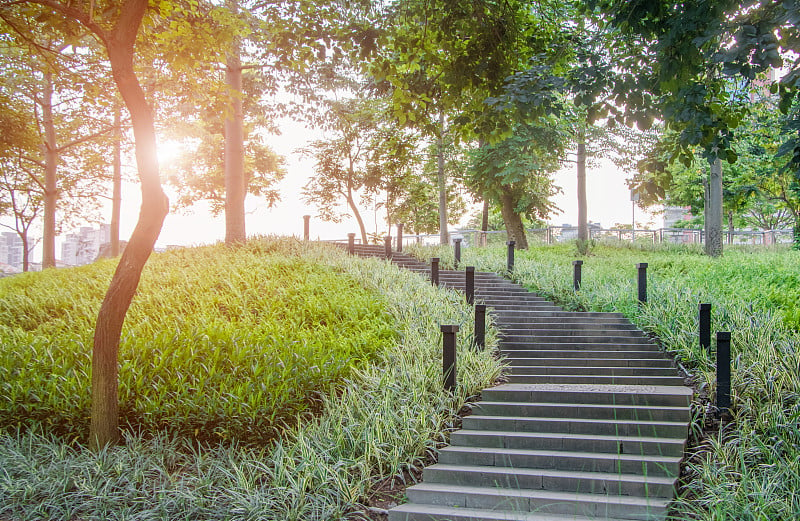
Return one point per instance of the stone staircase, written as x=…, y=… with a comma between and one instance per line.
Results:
x=591, y=425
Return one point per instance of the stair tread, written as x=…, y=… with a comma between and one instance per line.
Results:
x=570, y=436
x=655, y=458
x=638, y=478
x=489, y=515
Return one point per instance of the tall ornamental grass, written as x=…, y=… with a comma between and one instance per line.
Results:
x=749, y=470
x=386, y=415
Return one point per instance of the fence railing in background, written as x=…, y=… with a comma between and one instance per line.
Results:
x=556, y=234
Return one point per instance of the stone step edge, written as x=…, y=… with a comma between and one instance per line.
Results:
x=406, y=511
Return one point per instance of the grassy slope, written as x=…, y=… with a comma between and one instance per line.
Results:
x=755, y=294
x=386, y=413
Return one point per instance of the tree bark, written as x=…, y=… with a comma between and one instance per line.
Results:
x=515, y=230
x=352, y=204
x=116, y=197
x=713, y=215
x=26, y=256
x=583, y=223
x=105, y=405
x=50, y=172
x=234, y=146
x=730, y=226
x=442, y=182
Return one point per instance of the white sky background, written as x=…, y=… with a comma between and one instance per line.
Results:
x=608, y=201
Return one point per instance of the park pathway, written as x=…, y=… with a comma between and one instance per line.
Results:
x=590, y=426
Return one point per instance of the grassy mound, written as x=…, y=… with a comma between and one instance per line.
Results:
x=219, y=343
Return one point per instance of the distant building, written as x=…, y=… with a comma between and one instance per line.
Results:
x=674, y=216
x=11, y=249
x=84, y=247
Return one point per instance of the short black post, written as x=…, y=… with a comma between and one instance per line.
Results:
x=387, y=246
x=399, y=237
x=704, y=321
x=457, y=250
x=480, y=326
x=306, y=234
x=723, y=371
x=642, y=266
x=351, y=243
x=435, y=271
x=576, y=274
x=469, y=284
x=510, y=260
x=449, y=356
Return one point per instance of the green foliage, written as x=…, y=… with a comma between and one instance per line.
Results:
x=386, y=417
x=750, y=471
x=219, y=344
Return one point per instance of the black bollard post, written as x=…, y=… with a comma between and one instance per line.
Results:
x=704, y=323
x=642, y=266
x=510, y=260
x=480, y=326
x=435, y=271
x=576, y=274
x=387, y=247
x=469, y=284
x=457, y=250
x=449, y=356
x=306, y=220
x=399, y=237
x=723, y=371
x=351, y=243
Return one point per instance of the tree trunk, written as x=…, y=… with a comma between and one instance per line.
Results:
x=713, y=215
x=484, y=223
x=105, y=406
x=234, y=146
x=515, y=230
x=442, y=181
x=352, y=204
x=116, y=197
x=50, y=182
x=796, y=232
x=730, y=226
x=583, y=223
x=26, y=256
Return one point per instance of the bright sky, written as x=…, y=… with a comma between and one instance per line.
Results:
x=608, y=200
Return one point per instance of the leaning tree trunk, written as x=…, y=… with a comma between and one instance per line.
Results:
x=234, y=147
x=50, y=181
x=796, y=232
x=105, y=405
x=515, y=229
x=354, y=207
x=713, y=215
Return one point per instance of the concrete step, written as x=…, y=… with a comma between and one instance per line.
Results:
x=549, y=345
x=651, y=395
x=416, y=512
x=578, y=337
x=665, y=429
x=549, y=479
x=536, y=315
x=607, y=370
x=595, y=379
x=643, y=464
x=660, y=364
x=568, y=442
x=566, y=324
x=518, y=356
x=539, y=501
x=582, y=411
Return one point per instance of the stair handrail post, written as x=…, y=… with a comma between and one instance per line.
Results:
x=576, y=274
x=704, y=326
x=510, y=256
x=642, y=282
x=306, y=227
x=723, y=371
x=351, y=243
x=435, y=271
x=399, y=237
x=387, y=247
x=457, y=250
x=480, y=326
x=449, y=356
x=469, y=284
